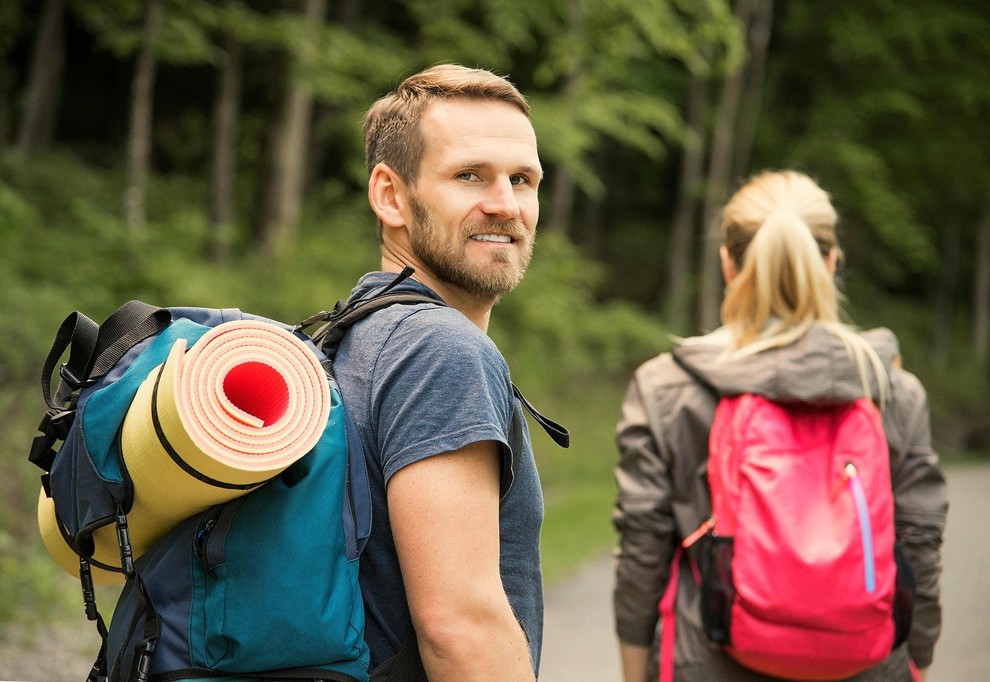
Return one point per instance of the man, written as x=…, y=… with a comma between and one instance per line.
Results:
x=453, y=556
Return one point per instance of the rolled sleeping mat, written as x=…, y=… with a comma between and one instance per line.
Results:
x=208, y=425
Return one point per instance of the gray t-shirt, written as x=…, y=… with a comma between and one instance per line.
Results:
x=419, y=380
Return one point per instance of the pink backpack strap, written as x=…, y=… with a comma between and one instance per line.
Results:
x=668, y=616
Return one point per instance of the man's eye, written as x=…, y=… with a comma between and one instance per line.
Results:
x=467, y=175
x=519, y=180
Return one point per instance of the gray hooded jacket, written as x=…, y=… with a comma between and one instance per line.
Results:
x=663, y=490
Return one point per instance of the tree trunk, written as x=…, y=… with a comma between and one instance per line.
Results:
x=226, y=125
x=752, y=99
x=283, y=190
x=562, y=202
x=945, y=296
x=676, y=296
x=142, y=111
x=981, y=290
x=348, y=14
x=6, y=83
x=592, y=223
x=564, y=191
x=44, y=80
x=719, y=170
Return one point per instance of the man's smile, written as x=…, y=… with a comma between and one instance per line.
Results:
x=497, y=238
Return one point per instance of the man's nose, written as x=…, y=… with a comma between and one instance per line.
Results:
x=500, y=199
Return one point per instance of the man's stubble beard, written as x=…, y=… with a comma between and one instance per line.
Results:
x=448, y=261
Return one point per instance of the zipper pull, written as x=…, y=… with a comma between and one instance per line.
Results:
x=708, y=525
x=865, y=526
x=849, y=472
x=202, y=535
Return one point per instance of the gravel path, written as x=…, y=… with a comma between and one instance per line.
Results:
x=59, y=653
x=579, y=645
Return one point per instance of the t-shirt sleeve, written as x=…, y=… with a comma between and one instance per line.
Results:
x=439, y=385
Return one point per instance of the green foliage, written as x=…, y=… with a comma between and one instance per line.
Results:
x=350, y=68
x=29, y=579
x=879, y=99
x=568, y=350
x=556, y=335
x=183, y=33
x=588, y=66
x=884, y=102
x=12, y=23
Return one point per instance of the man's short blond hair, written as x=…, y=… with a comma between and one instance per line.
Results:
x=391, y=127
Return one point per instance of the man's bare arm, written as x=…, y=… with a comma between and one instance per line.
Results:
x=444, y=514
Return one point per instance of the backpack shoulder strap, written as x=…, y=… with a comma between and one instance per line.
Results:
x=557, y=432
x=343, y=316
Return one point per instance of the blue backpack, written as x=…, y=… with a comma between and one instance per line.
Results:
x=263, y=585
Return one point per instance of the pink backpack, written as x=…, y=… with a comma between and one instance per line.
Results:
x=797, y=562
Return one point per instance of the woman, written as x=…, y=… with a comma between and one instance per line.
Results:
x=781, y=338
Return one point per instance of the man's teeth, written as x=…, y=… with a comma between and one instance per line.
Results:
x=501, y=238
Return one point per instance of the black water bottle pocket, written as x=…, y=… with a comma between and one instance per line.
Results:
x=717, y=590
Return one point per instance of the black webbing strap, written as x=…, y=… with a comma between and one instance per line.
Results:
x=329, y=336
x=77, y=333
x=408, y=666
x=557, y=432
x=130, y=324
x=141, y=663
x=346, y=314
x=93, y=351
x=342, y=317
x=99, y=669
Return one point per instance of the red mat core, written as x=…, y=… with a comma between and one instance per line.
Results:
x=258, y=389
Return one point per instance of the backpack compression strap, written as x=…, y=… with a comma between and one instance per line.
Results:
x=93, y=351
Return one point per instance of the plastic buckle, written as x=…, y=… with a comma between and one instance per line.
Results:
x=59, y=423
x=321, y=316
x=143, y=663
x=124, y=542
x=88, y=590
x=96, y=674
x=75, y=382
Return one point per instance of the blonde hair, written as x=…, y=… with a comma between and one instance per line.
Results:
x=391, y=127
x=779, y=230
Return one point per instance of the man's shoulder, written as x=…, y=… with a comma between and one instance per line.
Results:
x=426, y=324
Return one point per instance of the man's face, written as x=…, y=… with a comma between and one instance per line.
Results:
x=474, y=205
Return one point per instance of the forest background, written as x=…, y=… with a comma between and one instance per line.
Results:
x=186, y=152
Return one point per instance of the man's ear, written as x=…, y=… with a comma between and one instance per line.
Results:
x=387, y=195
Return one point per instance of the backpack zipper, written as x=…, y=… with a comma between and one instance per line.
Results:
x=211, y=536
x=851, y=476
x=203, y=533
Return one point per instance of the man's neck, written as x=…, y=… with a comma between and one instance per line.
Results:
x=478, y=311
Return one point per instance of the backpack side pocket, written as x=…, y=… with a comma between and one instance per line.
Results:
x=717, y=590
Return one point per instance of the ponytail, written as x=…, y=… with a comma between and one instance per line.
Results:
x=782, y=288
x=779, y=230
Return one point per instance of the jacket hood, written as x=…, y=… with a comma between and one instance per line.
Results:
x=815, y=369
